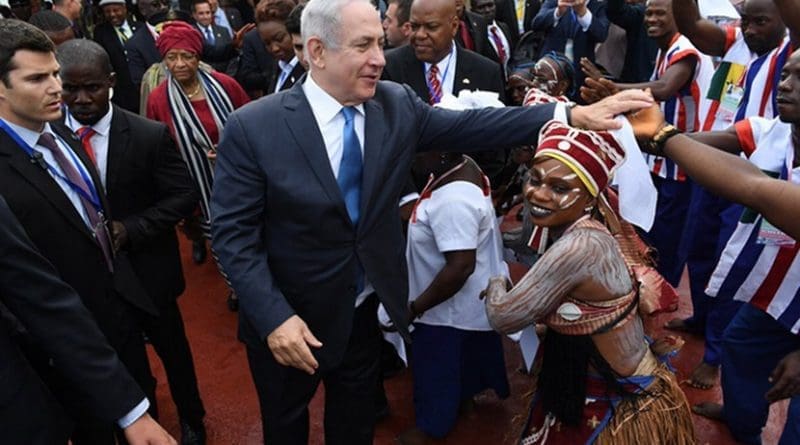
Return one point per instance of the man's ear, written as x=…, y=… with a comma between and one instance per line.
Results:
x=454, y=24
x=406, y=28
x=315, y=50
x=112, y=79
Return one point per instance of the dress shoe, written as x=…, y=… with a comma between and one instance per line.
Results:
x=199, y=251
x=193, y=434
x=233, y=302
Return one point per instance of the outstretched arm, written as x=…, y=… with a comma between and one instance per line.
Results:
x=790, y=13
x=674, y=78
x=704, y=34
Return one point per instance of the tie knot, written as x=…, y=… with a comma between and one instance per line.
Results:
x=47, y=140
x=434, y=71
x=86, y=132
x=349, y=113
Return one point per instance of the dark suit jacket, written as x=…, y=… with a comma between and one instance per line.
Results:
x=256, y=64
x=476, y=25
x=280, y=225
x=583, y=43
x=221, y=53
x=296, y=74
x=126, y=94
x=641, y=50
x=149, y=190
x=473, y=72
x=52, y=314
x=506, y=13
x=59, y=233
x=142, y=53
x=234, y=18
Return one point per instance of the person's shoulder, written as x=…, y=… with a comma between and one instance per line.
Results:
x=400, y=54
x=475, y=59
x=140, y=125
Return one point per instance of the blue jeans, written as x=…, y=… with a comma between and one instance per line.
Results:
x=753, y=344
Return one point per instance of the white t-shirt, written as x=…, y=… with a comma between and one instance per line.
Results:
x=457, y=216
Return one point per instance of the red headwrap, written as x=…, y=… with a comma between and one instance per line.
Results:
x=592, y=155
x=180, y=35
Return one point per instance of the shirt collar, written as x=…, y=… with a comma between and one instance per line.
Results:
x=30, y=137
x=444, y=62
x=101, y=127
x=288, y=67
x=323, y=105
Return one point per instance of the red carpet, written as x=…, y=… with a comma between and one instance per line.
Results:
x=232, y=405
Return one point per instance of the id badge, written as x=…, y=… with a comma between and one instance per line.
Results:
x=770, y=235
x=729, y=103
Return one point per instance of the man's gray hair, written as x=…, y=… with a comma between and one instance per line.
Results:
x=323, y=19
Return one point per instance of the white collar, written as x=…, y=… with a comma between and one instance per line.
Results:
x=101, y=127
x=323, y=105
x=288, y=66
x=442, y=64
x=30, y=137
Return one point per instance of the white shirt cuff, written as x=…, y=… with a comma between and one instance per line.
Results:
x=408, y=198
x=560, y=114
x=555, y=17
x=134, y=414
x=586, y=20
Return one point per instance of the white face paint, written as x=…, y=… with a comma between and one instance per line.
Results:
x=569, y=199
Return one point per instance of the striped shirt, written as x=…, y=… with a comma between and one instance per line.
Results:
x=684, y=109
x=766, y=275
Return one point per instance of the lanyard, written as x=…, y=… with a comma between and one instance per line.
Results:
x=92, y=197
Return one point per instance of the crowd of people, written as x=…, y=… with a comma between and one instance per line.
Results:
x=347, y=164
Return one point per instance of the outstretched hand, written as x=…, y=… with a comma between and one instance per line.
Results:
x=595, y=90
x=646, y=123
x=146, y=431
x=601, y=115
x=290, y=343
x=590, y=69
x=785, y=378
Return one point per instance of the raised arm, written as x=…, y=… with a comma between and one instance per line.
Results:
x=790, y=13
x=674, y=78
x=704, y=34
x=571, y=261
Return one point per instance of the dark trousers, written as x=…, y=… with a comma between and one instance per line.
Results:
x=668, y=227
x=284, y=393
x=753, y=344
x=168, y=337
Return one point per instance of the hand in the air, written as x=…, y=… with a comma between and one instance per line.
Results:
x=590, y=69
x=595, y=90
x=646, y=123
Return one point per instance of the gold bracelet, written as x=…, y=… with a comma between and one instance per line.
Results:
x=661, y=138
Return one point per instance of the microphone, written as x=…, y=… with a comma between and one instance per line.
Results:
x=37, y=158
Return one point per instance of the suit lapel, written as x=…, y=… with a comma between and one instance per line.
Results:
x=462, y=80
x=118, y=141
x=43, y=182
x=416, y=76
x=301, y=123
x=374, y=132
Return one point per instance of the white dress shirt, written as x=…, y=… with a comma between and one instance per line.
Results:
x=503, y=40
x=286, y=71
x=221, y=19
x=447, y=71
x=327, y=113
x=99, y=140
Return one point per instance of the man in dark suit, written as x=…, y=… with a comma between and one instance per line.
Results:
x=573, y=28
x=51, y=187
x=219, y=50
x=112, y=35
x=308, y=234
x=149, y=190
x=518, y=14
x=472, y=32
x=501, y=38
x=50, y=313
x=433, y=53
x=256, y=65
x=141, y=48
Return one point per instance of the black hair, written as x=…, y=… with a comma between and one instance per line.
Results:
x=198, y=2
x=16, y=35
x=83, y=52
x=49, y=21
x=403, y=10
x=293, y=21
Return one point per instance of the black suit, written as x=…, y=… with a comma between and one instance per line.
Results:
x=507, y=13
x=256, y=64
x=55, y=227
x=473, y=72
x=149, y=190
x=220, y=53
x=126, y=94
x=54, y=318
x=296, y=74
x=478, y=31
x=142, y=52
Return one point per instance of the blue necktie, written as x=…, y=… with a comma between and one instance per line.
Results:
x=209, y=36
x=351, y=168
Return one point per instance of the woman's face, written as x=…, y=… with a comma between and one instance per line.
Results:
x=182, y=64
x=277, y=40
x=556, y=195
x=546, y=78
